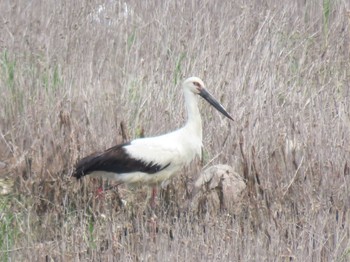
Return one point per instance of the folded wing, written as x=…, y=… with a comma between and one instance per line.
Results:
x=125, y=158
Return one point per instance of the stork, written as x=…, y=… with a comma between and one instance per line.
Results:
x=152, y=160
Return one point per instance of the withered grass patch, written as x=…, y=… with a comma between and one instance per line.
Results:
x=77, y=77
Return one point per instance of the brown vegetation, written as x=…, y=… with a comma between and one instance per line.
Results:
x=80, y=76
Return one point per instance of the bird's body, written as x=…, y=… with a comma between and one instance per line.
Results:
x=154, y=159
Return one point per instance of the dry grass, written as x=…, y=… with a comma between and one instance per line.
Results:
x=71, y=73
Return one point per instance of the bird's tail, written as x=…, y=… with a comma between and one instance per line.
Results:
x=78, y=171
x=83, y=166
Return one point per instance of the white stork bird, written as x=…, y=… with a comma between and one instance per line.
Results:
x=154, y=159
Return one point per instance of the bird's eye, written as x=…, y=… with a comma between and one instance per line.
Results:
x=197, y=84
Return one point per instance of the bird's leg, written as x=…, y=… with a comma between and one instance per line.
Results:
x=153, y=197
x=100, y=192
x=153, y=218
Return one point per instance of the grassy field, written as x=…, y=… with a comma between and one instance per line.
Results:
x=80, y=76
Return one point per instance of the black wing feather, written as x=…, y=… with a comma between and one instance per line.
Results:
x=115, y=160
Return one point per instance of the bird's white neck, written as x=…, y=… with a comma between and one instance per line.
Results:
x=194, y=121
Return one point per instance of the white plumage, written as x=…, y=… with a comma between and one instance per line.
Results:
x=154, y=159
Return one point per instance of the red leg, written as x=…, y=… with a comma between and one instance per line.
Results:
x=153, y=197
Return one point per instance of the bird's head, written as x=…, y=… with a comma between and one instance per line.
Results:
x=196, y=86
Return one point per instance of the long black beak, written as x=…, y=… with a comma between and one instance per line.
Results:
x=207, y=96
